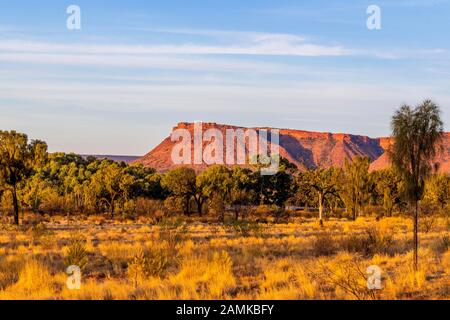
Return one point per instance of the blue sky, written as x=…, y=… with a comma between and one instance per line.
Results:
x=136, y=68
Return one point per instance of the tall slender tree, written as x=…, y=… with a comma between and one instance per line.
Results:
x=417, y=133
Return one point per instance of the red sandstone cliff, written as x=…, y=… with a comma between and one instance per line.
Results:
x=303, y=148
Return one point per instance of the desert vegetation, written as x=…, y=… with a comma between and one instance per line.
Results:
x=198, y=258
x=226, y=232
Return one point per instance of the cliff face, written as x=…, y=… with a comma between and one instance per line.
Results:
x=442, y=158
x=305, y=149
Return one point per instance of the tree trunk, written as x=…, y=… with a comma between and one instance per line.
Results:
x=416, y=237
x=16, y=206
x=354, y=208
x=187, y=210
x=354, y=212
x=111, y=212
x=320, y=208
x=199, y=206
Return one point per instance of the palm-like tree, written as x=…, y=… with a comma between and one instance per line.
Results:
x=417, y=133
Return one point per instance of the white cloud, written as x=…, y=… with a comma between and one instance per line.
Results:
x=233, y=35
x=184, y=56
x=170, y=55
x=316, y=98
x=146, y=61
x=271, y=45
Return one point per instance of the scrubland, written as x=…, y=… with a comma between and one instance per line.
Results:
x=197, y=258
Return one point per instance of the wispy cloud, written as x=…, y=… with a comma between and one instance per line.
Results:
x=186, y=55
x=267, y=44
x=218, y=43
x=156, y=62
x=231, y=34
x=299, y=96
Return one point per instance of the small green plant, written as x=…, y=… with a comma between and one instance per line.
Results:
x=147, y=264
x=244, y=228
x=158, y=262
x=137, y=270
x=76, y=253
x=40, y=233
x=173, y=232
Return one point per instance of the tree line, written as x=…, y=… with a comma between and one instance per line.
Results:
x=34, y=180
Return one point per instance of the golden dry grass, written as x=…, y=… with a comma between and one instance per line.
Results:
x=296, y=259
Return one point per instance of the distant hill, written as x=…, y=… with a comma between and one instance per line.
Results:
x=305, y=149
x=126, y=159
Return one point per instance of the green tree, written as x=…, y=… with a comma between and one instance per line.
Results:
x=216, y=184
x=324, y=183
x=277, y=188
x=305, y=195
x=147, y=183
x=355, y=185
x=110, y=185
x=417, y=134
x=181, y=182
x=242, y=193
x=388, y=186
x=18, y=160
x=437, y=189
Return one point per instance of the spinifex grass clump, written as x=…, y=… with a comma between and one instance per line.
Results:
x=76, y=254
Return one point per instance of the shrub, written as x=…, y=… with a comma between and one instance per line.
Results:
x=137, y=269
x=34, y=282
x=40, y=233
x=174, y=204
x=206, y=277
x=443, y=244
x=76, y=253
x=173, y=232
x=324, y=245
x=371, y=242
x=244, y=228
x=8, y=273
x=158, y=262
x=148, y=207
x=427, y=223
x=346, y=274
x=147, y=263
x=53, y=202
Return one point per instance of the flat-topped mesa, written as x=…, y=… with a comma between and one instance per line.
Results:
x=305, y=149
